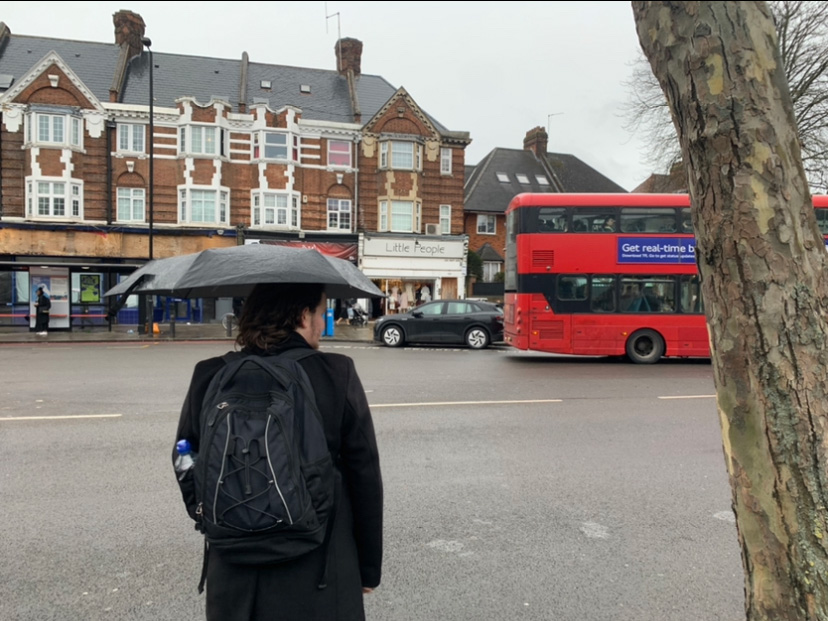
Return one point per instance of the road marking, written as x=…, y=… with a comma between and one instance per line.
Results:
x=21, y=418
x=594, y=530
x=419, y=405
x=691, y=397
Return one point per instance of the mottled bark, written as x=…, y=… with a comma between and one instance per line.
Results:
x=763, y=266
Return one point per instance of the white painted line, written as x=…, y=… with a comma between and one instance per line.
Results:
x=691, y=397
x=22, y=418
x=419, y=405
x=594, y=530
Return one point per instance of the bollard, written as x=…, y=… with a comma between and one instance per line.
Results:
x=329, y=322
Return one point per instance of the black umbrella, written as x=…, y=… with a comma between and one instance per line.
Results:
x=234, y=271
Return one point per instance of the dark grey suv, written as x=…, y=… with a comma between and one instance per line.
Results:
x=473, y=323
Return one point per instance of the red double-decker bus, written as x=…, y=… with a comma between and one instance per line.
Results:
x=606, y=275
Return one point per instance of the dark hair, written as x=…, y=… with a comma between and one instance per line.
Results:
x=273, y=312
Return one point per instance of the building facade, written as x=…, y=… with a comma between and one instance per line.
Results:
x=97, y=177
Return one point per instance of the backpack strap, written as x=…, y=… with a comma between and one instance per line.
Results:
x=298, y=353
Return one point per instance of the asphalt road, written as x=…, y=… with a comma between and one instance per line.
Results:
x=518, y=486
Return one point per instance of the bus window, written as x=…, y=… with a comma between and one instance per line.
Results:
x=648, y=294
x=822, y=220
x=686, y=221
x=603, y=294
x=690, y=294
x=648, y=220
x=572, y=288
x=595, y=220
x=552, y=220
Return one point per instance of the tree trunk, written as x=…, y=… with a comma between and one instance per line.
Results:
x=762, y=262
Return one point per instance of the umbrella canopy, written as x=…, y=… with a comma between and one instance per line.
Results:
x=234, y=271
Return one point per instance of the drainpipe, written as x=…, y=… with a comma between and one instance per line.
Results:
x=357, y=212
x=110, y=126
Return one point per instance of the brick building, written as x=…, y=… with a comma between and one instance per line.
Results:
x=505, y=173
x=239, y=152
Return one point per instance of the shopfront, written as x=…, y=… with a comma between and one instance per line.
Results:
x=412, y=270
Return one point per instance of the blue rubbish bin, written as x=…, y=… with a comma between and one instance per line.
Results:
x=329, y=323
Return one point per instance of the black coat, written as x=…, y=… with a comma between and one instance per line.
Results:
x=290, y=590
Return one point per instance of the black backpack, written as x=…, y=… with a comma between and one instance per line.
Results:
x=264, y=477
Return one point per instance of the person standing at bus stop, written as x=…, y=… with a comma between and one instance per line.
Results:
x=43, y=306
x=276, y=318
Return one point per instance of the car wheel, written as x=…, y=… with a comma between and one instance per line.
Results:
x=645, y=347
x=477, y=338
x=392, y=336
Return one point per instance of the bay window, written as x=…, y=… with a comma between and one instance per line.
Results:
x=54, y=198
x=401, y=155
x=204, y=206
x=201, y=140
x=54, y=130
x=339, y=214
x=399, y=216
x=277, y=210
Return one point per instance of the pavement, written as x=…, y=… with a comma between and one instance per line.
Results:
x=166, y=332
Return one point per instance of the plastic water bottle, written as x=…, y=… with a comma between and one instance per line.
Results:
x=185, y=459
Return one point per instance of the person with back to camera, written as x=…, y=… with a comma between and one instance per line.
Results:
x=275, y=319
x=43, y=306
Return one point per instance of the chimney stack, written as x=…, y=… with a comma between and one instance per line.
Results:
x=536, y=141
x=129, y=29
x=348, y=56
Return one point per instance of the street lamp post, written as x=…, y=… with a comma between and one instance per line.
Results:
x=150, y=146
x=146, y=42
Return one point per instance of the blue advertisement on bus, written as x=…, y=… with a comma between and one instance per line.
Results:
x=665, y=250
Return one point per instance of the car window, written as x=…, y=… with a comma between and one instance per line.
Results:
x=431, y=309
x=459, y=308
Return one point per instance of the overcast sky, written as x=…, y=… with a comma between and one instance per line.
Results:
x=494, y=70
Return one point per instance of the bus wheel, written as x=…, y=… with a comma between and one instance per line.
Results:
x=392, y=336
x=645, y=347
